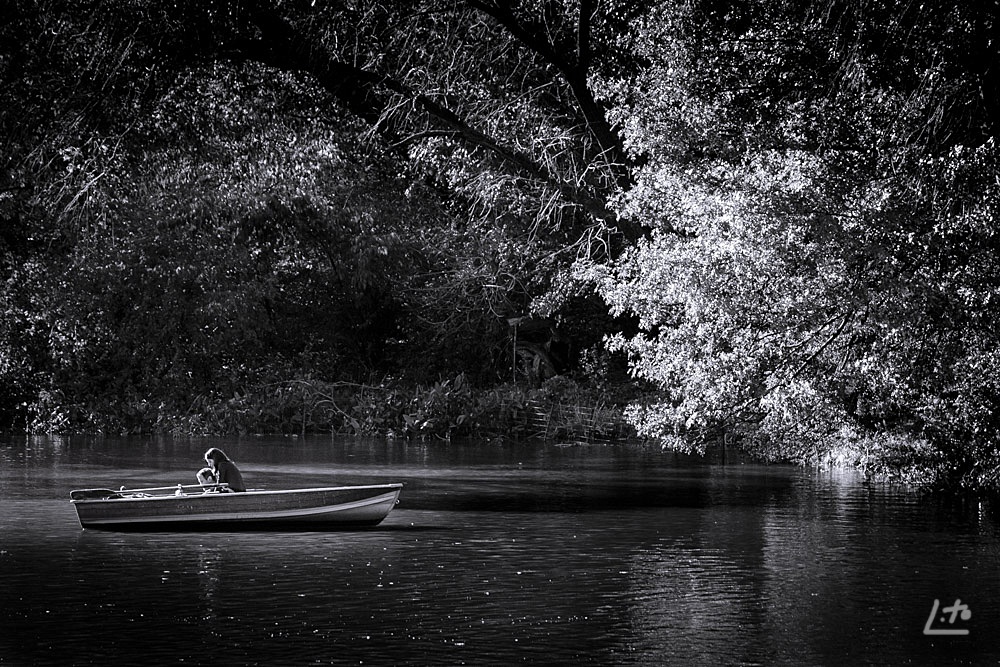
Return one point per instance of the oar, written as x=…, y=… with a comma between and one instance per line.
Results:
x=96, y=494
x=173, y=488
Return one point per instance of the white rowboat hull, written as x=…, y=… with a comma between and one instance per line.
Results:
x=331, y=507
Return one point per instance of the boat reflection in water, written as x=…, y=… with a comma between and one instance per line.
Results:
x=172, y=508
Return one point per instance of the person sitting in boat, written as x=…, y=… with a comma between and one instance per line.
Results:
x=225, y=470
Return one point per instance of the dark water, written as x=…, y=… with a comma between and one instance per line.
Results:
x=496, y=554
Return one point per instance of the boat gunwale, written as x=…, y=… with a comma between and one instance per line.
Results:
x=228, y=494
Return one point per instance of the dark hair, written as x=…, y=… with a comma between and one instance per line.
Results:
x=216, y=455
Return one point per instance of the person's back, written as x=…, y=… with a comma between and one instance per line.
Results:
x=228, y=473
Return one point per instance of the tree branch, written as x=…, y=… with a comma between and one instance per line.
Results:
x=575, y=73
x=368, y=94
x=583, y=34
x=815, y=353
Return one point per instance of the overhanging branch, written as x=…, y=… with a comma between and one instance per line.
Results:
x=368, y=94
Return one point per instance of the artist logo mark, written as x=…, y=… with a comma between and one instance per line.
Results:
x=946, y=620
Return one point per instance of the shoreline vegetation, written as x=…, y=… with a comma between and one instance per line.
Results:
x=556, y=410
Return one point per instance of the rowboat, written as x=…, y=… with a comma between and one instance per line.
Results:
x=208, y=507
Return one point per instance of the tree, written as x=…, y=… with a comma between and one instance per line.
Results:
x=364, y=162
x=834, y=165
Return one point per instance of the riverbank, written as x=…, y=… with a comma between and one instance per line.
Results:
x=559, y=408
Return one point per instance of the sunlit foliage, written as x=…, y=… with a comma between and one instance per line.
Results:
x=821, y=187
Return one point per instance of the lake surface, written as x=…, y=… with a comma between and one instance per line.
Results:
x=496, y=554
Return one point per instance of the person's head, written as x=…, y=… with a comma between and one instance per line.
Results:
x=206, y=476
x=214, y=456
